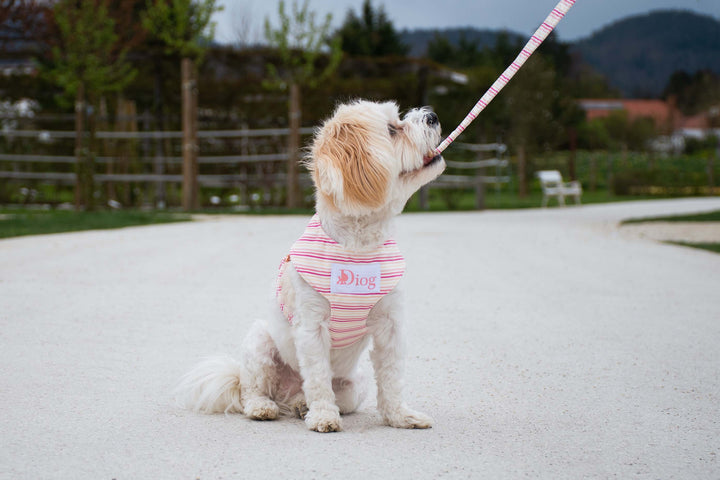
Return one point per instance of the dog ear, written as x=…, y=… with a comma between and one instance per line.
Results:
x=326, y=176
x=345, y=169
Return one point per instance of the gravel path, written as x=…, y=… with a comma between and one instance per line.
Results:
x=545, y=343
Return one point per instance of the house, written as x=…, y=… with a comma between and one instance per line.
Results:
x=666, y=115
x=702, y=124
x=17, y=66
x=673, y=126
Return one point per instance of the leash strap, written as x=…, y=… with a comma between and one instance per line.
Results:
x=540, y=35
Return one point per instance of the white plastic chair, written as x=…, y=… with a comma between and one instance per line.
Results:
x=553, y=186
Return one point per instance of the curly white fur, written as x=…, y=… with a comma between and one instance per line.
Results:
x=366, y=163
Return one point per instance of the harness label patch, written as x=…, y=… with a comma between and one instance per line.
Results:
x=354, y=279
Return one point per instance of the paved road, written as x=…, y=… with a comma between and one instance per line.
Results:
x=545, y=344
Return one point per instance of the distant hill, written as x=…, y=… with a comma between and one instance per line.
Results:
x=638, y=54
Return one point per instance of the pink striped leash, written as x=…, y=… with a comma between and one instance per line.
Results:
x=540, y=35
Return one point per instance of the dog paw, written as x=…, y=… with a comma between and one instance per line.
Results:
x=406, y=418
x=300, y=409
x=261, y=408
x=323, y=419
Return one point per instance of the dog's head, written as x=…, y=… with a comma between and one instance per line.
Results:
x=366, y=158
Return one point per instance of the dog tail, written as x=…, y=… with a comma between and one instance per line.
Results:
x=212, y=386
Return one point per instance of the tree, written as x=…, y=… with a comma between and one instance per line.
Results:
x=184, y=27
x=594, y=135
x=627, y=133
x=440, y=49
x=371, y=35
x=245, y=33
x=505, y=50
x=694, y=93
x=465, y=54
x=87, y=62
x=537, y=115
x=584, y=82
x=300, y=43
x=557, y=53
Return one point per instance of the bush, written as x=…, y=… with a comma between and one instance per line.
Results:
x=627, y=182
x=700, y=145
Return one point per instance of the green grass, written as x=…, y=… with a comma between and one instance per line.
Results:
x=711, y=247
x=444, y=200
x=713, y=216
x=31, y=222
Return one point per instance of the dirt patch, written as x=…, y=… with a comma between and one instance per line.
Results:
x=691, y=232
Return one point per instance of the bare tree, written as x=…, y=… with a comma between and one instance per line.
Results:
x=87, y=62
x=244, y=32
x=184, y=27
x=300, y=43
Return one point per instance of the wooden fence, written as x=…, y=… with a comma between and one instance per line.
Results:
x=251, y=169
x=475, y=174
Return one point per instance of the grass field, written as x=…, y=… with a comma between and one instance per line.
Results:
x=713, y=216
x=443, y=200
x=14, y=223
x=712, y=247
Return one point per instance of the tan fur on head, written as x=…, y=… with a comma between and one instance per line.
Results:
x=344, y=169
x=366, y=158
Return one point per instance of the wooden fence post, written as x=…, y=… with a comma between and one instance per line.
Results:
x=293, y=187
x=158, y=169
x=480, y=184
x=711, y=167
x=109, y=147
x=593, y=172
x=573, y=153
x=145, y=149
x=79, y=127
x=480, y=194
x=423, y=198
x=189, y=127
x=89, y=160
x=522, y=180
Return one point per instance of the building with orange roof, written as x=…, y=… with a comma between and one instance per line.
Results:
x=668, y=119
x=666, y=116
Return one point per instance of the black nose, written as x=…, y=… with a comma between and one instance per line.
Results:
x=431, y=119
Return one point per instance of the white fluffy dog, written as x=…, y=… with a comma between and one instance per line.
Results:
x=366, y=162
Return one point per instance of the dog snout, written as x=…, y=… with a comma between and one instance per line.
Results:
x=431, y=119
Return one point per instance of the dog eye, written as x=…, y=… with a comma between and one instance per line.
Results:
x=392, y=129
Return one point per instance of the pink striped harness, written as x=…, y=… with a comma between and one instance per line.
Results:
x=352, y=282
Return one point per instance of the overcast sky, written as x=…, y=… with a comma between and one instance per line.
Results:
x=522, y=16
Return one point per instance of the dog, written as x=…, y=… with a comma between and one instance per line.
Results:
x=339, y=288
